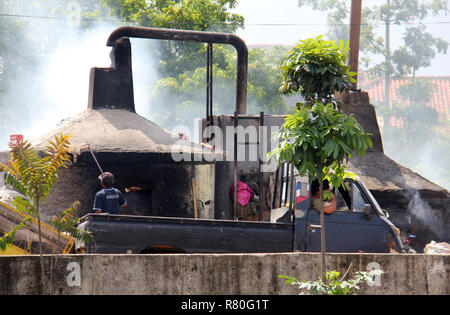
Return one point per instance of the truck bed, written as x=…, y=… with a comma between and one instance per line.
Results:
x=149, y=234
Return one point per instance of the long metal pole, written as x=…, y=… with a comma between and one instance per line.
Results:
x=323, y=263
x=95, y=159
x=387, y=70
x=260, y=174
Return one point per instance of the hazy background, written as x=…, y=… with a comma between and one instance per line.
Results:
x=47, y=65
x=269, y=22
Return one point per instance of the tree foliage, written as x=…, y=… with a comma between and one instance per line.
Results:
x=34, y=176
x=418, y=44
x=420, y=144
x=186, y=91
x=317, y=68
x=179, y=94
x=334, y=283
x=198, y=15
x=67, y=222
x=419, y=49
x=7, y=239
x=319, y=139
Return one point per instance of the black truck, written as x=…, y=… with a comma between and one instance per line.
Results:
x=357, y=225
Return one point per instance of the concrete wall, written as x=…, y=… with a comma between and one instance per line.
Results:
x=217, y=274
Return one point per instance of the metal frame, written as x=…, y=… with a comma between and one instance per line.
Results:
x=197, y=36
x=235, y=163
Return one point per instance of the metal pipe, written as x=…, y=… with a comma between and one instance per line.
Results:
x=260, y=174
x=286, y=192
x=196, y=36
x=280, y=199
x=208, y=62
x=235, y=164
x=209, y=81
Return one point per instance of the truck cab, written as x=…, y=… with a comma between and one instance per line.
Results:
x=357, y=225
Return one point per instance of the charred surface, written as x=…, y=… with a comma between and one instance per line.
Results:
x=113, y=87
x=162, y=189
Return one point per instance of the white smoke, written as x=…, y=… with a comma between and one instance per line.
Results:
x=423, y=212
x=55, y=83
x=64, y=77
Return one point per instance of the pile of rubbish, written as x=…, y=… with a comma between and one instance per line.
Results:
x=437, y=248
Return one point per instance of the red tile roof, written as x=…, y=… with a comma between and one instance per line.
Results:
x=440, y=98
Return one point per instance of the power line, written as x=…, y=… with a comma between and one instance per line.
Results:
x=340, y=24
x=56, y=18
x=225, y=23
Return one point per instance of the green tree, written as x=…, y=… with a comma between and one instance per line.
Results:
x=317, y=138
x=418, y=49
x=34, y=176
x=29, y=32
x=187, y=90
x=264, y=75
x=13, y=35
x=177, y=57
x=179, y=94
x=316, y=68
x=334, y=283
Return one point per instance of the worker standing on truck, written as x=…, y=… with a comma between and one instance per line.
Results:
x=109, y=199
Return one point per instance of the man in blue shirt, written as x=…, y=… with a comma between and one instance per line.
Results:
x=109, y=199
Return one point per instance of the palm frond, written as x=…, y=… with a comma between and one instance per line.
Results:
x=8, y=238
x=57, y=157
x=25, y=206
x=12, y=176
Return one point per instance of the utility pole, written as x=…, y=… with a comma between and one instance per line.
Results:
x=387, y=69
x=355, y=30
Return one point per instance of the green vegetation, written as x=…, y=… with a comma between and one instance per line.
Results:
x=418, y=47
x=334, y=283
x=421, y=145
x=317, y=68
x=34, y=176
x=317, y=138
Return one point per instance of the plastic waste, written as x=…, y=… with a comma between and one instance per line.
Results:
x=244, y=193
x=437, y=248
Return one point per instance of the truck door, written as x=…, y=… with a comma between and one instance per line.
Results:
x=354, y=226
